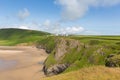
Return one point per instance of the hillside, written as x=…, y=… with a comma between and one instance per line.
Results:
x=12, y=36
x=89, y=73
x=12, y=33
x=75, y=52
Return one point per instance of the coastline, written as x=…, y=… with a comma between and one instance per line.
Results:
x=29, y=62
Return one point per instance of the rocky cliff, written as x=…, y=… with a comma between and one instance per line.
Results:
x=63, y=47
x=67, y=54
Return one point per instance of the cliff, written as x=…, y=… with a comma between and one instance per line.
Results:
x=69, y=54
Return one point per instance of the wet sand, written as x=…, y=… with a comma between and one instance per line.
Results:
x=28, y=63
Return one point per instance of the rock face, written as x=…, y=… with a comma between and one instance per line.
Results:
x=113, y=60
x=43, y=47
x=63, y=46
x=56, y=69
x=61, y=49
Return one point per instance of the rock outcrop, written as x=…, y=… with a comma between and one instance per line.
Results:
x=113, y=60
x=54, y=70
x=63, y=46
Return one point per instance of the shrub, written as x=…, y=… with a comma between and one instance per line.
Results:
x=94, y=42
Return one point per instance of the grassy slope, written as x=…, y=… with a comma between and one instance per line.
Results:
x=99, y=48
x=16, y=36
x=89, y=73
x=92, y=56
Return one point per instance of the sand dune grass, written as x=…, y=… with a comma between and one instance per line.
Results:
x=90, y=73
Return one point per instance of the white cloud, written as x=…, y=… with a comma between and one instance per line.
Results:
x=32, y=26
x=75, y=9
x=88, y=32
x=69, y=30
x=23, y=27
x=55, y=28
x=47, y=23
x=73, y=30
x=23, y=14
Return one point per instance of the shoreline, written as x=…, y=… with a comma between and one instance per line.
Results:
x=28, y=59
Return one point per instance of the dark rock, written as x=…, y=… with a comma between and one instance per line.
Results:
x=43, y=47
x=39, y=47
x=48, y=51
x=111, y=55
x=54, y=70
x=112, y=60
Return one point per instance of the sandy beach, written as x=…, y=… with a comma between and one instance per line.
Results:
x=21, y=63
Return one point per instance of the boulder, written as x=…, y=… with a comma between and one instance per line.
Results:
x=112, y=60
x=55, y=69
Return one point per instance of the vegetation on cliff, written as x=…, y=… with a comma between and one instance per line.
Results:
x=77, y=52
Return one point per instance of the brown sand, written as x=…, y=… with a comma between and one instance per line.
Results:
x=29, y=63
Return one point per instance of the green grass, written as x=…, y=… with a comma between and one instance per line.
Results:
x=16, y=36
x=19, y=33
x=50, y=60
x=47, y=42
x=71, y=56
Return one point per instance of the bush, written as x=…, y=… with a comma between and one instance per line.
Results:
x=94, y=42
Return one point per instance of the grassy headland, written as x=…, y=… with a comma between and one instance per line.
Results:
x=93, y=51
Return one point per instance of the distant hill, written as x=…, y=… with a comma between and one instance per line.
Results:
x=12, y=33
x=12, y=36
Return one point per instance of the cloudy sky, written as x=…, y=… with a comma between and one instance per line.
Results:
x=96, y=17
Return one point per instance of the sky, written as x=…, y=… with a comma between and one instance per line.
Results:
x=83, y=17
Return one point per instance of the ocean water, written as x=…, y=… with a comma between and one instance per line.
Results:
x=7, y=64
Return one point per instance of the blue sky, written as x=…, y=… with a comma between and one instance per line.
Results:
x=62, y=16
